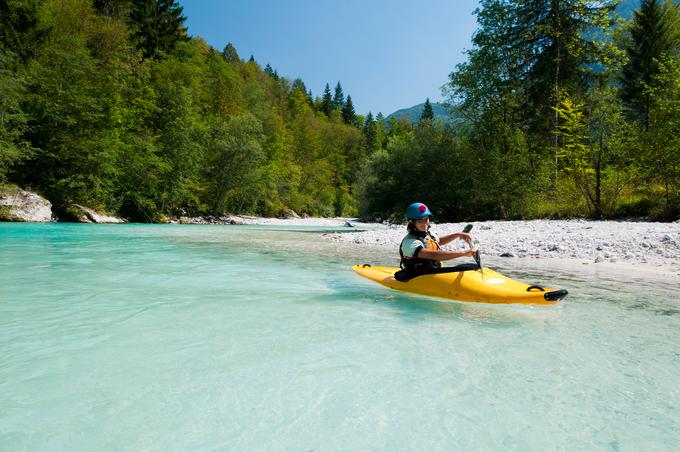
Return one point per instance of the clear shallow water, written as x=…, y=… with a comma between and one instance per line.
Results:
x=210, y=337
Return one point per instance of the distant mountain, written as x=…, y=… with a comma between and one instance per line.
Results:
x=414, y=113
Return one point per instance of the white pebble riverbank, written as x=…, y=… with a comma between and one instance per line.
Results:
x=639, y=243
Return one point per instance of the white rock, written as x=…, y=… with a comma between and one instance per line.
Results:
x=21, y=205
x=91, y=216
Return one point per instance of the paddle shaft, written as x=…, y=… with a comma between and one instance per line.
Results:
x=477, y=257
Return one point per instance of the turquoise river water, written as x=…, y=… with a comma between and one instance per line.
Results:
x=175, y=337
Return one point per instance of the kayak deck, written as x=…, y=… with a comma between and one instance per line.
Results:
x=479, y=285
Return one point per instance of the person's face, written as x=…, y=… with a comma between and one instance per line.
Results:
x=423, y=225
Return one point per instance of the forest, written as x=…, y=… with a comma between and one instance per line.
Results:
x=563, y=110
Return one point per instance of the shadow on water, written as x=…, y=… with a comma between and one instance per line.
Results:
x=415, y=308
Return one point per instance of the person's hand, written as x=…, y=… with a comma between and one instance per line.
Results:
x=471, y=252
x=466, y=236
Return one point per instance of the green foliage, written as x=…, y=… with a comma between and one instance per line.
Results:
x=180, y=128
x=67, y=118
x=589, y=148
x=13, y=148
x=541, y=80
x=428, y=164
x=116, y=9
x=235, y=154
x=86, y=120
x=660, y=143
x=19, y=30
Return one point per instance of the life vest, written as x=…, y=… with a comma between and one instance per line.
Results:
x=417, y=264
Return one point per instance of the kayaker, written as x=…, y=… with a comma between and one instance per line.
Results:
x=420, y=249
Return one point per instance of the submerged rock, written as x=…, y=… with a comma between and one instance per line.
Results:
x=21, y=205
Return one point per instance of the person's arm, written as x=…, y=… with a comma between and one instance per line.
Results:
x=445, y=240
x=444, y=255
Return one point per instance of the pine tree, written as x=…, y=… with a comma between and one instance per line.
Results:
x=251, y=59
x=327, y=102
x=230, y=54
x=338, y=97
x=158, y=24
x=380, y=132
x=299, y=84
x=348, y=115
x=650, y=38
x=370, y=132
x=271, y=72
x=428, y=113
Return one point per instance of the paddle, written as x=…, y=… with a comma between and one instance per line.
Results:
x=477, y=258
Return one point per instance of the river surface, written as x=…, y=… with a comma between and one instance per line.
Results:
x=185, y=337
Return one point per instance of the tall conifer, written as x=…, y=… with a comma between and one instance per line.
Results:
x=327, y=101
x=428, y=113
x=158, y=24
x=650, y=38
x=348, y=115
x=369, y=131
x=338, y=97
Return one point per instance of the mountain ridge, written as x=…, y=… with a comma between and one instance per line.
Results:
x=413, y=114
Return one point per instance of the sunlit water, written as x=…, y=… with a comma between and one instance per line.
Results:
x=177, y=337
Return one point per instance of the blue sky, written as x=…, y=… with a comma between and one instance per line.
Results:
x=386, y=54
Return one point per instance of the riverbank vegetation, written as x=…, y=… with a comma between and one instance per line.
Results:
x=561, y=111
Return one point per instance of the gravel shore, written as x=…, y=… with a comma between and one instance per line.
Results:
x=645, y=245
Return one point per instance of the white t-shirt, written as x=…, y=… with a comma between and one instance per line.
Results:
x=412, y=244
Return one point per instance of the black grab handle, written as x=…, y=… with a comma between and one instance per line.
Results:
x=529, y=289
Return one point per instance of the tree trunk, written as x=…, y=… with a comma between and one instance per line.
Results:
x=556, y=99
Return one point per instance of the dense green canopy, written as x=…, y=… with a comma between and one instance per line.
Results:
x=560, y=111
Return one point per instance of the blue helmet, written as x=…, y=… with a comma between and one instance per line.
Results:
x=417, y=211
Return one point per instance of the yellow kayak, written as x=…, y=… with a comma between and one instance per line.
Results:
x=466, y=284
